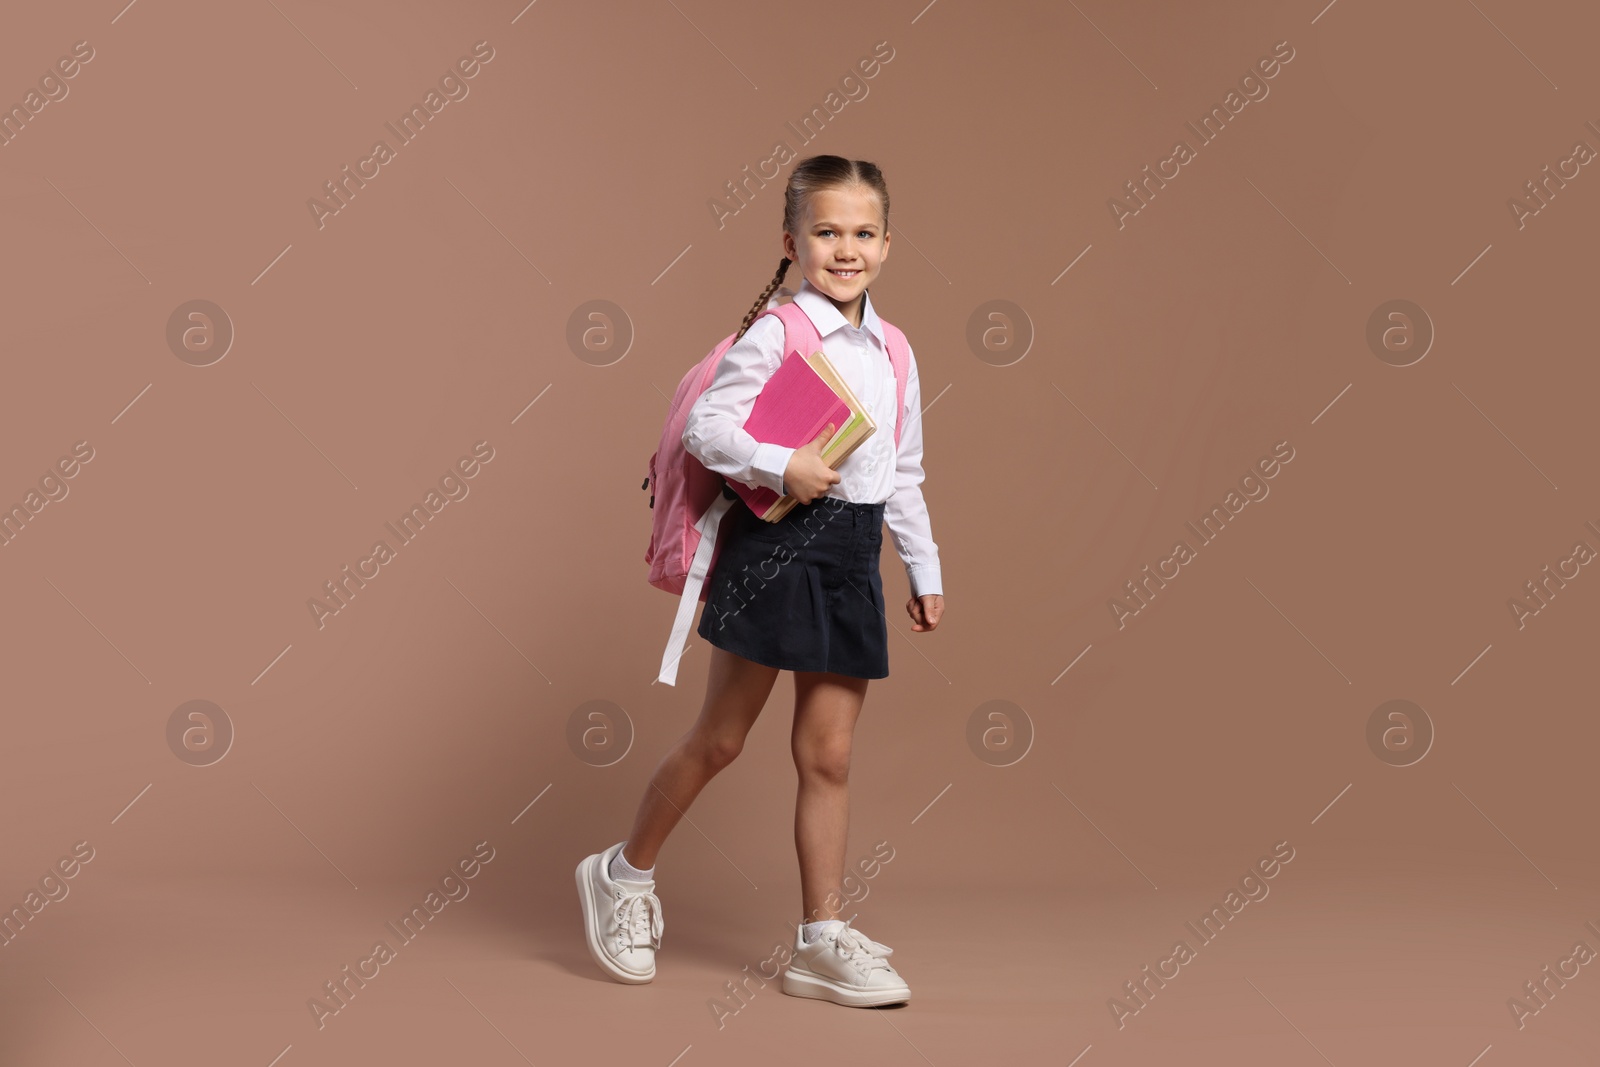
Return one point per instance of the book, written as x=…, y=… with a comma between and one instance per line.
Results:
x=803, y=395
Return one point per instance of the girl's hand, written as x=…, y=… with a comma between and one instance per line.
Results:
x=807, y=478
x=925, y=611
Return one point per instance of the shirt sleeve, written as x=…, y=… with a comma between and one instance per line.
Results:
x=906, y=511
x=714, y=433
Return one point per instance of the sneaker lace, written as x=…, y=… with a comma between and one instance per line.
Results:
x=860, y=950
x=639, y=919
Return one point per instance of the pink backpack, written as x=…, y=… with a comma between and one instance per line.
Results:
x=688, y=499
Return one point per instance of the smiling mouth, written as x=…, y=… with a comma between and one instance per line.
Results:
x=839, y=273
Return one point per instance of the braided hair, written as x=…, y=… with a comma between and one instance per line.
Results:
x=809, y=177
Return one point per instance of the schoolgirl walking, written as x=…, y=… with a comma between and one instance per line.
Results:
x=802, y=594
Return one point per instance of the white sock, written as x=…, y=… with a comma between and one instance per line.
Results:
x=621, y=868
x=810, y=930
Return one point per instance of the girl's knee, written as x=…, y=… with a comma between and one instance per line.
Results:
x=825, y=760
x=720, y=750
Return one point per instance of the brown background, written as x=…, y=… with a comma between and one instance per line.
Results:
x=1229, y=314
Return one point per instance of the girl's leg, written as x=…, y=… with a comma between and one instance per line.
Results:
x=736, y=691
x=825, y=711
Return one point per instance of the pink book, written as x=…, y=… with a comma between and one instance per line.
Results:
x=803, y=395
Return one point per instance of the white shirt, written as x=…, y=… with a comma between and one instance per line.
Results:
x=874, y=472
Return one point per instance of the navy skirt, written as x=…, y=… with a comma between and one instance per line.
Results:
x=803, y=593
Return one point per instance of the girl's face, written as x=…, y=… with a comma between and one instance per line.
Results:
x=841, y=245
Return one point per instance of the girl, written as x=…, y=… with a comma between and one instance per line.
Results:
x=821, y=617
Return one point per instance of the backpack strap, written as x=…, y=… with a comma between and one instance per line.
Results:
x=699, y=570
x=799, y=332
x=900, y=357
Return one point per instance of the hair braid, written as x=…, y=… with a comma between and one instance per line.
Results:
x=761, y=301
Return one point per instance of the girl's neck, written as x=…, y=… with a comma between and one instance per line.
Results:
x=854, y=312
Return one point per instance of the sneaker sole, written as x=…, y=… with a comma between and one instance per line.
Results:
x=585, y=880
x=816, y=987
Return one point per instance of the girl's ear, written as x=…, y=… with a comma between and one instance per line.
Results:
x=789, y=249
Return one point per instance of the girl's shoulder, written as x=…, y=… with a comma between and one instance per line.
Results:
x=781, y=296
x=763, y=339
x=895, y=333
x=771, y=326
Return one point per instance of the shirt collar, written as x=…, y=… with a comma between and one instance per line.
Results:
x=827, y=318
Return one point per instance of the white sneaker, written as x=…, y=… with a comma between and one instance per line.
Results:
x=622, y=920
x=845, y=966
